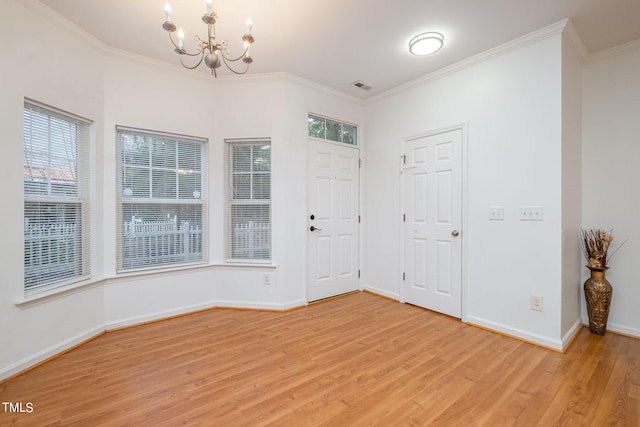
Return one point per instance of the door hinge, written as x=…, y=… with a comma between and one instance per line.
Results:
x=404, y=159
x=358, y=274
x=359, y=163
x=358, y=219
x=404, y=276
x=404, y=217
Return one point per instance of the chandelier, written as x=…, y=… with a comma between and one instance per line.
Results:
x=212, y=52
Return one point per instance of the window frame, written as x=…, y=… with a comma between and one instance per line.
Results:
x=170, y=228
x=264, y=232
x=341, y=131
x=73, y=239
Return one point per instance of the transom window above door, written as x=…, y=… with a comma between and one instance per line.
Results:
x=332, y=130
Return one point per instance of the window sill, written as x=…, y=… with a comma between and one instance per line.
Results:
x=37, y=298
x=241, y=266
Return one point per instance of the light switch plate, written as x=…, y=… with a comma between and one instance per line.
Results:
x=531, y=213
x=496, y=213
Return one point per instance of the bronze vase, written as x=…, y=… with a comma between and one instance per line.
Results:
x=597, y=292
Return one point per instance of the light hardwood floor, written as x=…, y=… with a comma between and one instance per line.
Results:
x=354, y=360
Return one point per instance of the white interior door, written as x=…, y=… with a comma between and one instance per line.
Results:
x=433, y=214
x=332, y=223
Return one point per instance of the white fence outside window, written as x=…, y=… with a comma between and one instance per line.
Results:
x=160, y=242
x=251, y=240
x=51, y=250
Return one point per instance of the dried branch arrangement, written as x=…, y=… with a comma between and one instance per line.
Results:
x=595, y=246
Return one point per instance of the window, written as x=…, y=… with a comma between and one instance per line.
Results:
x=161, y=200
x=56, y=211
x=321, y=127
x=249, y=201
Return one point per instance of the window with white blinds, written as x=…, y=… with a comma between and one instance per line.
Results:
x=248, y=236
x=56, y=208
x=161, y=200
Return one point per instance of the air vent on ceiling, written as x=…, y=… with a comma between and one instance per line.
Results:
x=361, y=85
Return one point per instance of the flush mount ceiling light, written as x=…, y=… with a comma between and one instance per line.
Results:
x=426, y=43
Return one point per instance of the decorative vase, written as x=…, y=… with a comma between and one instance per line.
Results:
x=597, y=292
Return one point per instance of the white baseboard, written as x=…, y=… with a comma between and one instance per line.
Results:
x=541, y=340
x=54, y=350
x=159, y=315
x=623, y=330
x=132, y=321
x=48, y=353
x=617, y=328
x=382, y=292
x=570, y=335
x=252, y=305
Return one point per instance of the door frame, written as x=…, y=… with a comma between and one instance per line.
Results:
x=358, y=149
x=463, y=127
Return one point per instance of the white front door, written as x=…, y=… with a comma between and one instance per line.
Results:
x=432, y=182
x=332, y=222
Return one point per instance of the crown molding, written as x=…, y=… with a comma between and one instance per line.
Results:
x=60, y=21
x=322, y=88
x=575, y=41
x=515, y=44
x=619, y=50
x=229, y=78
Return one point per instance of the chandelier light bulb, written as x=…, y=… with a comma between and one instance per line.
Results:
x=180, y=38
x=249, y=25
x=209, y=5
x=426, y=43
x=167, y=11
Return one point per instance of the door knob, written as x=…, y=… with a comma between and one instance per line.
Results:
x=312, y=228
x=455, y=233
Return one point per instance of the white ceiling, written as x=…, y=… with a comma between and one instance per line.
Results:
x=336, y=42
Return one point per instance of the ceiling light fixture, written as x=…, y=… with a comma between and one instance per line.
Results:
x=426, y=43
x=212, y=52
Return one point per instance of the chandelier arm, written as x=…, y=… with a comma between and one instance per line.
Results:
x=231, y=69
x=182, y=51
x=191, y=67
x=235, y=59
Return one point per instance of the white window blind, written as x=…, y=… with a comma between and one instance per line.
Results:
x=248, y=236
x=56, y=209
x=161, y=199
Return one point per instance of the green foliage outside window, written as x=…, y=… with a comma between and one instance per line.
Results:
x=332, y=130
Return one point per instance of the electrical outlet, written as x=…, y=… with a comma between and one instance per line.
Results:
x=266, y=279
x=531, y=213
x=536, y=303
x=496, y=213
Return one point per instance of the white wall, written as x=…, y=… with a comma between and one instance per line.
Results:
x=610, y=173
x=56, y=65
x=571, y=184
x=512, y=106
x=49, y=65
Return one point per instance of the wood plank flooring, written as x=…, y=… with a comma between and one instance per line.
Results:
x=351, y=361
